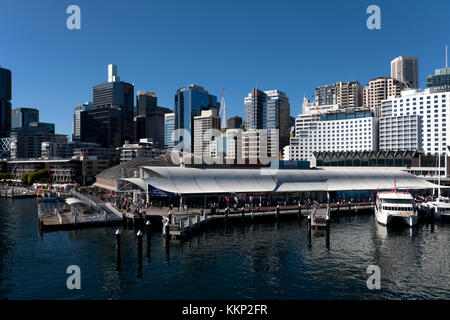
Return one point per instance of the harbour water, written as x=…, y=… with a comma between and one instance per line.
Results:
x=252, y=261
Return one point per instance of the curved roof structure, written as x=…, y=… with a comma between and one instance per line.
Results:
x=183, y=180
x=72, y=201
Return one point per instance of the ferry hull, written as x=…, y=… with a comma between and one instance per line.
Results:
x=386, y=219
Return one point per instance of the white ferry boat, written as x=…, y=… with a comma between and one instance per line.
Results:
x=438, y=208
x=394, y=205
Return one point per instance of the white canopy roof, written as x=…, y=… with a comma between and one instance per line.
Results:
x=184, y=180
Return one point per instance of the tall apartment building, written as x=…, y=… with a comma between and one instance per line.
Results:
x=5, y=102
x=268, y=110
x=260, y=145
x=169, y=130
x=110, y=122
x=432, y=110
x=350, y=130
x=380, y=89
x=405, y=70
x=347, y=94
x=204, y=135
x=76, y=126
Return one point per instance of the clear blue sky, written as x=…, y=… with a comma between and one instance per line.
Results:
x=161, y=46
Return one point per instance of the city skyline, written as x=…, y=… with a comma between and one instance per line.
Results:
x=301, y=65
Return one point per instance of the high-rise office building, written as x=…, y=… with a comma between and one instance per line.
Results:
x=110, y=122
x=379, y=89
x=169, y=130
x=431, y=125
x=5, y=102
x=268, y=110
x=234, y=122
x=146, y=102
x=405, y=70
x=23, y=117
x=26, y=142
x=204, y=125
x=347, y=94
x=189, y=103
x=149, y=121
x=76, y=126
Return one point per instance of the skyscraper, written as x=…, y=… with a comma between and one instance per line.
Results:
x=268, y=110
x=405, y=69
x=379, y=89
x=149, y=121
x=204, y=125
x=76, y=130
x=189, y=103
x=345, y=94
x=5, y=102
x=146, y=102
x=23, y=117
x=110, y=122
x=169, y=130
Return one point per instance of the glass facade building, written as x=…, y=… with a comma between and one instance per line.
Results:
x=5, y=102
x=110, y=122
x=268, y=110
x=189, y=103
x=23, y=117
x=169, y=130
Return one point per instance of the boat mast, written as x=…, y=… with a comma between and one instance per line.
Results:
x=439, y=165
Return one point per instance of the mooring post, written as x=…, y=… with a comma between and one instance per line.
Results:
x=278, y=212
x=166, y=228
x=299, y=214
x=139, y=246
x=338, y=210
x=243, y=213
x=309, y=232
x=118, y=244
x=252, y=215
x=227, y=211
x=206, y=217
x=149, y=239
x=327, y=227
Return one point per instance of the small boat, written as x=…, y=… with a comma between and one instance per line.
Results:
x=395, y=206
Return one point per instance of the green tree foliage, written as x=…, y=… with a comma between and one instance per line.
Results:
x=40, y=176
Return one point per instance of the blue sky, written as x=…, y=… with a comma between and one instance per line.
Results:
x=161, y=46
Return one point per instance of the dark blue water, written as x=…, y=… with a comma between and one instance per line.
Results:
x=261, y=261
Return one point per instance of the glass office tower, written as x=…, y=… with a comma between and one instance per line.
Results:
x=5, y=102
x=23, y=117
x=189, y=103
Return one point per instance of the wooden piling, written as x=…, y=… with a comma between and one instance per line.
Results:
x=118, y=247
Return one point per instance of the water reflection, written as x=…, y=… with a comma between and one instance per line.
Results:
x=284, y=260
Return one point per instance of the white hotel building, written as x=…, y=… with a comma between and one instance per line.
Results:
x=349, y=130
x=417, y=120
